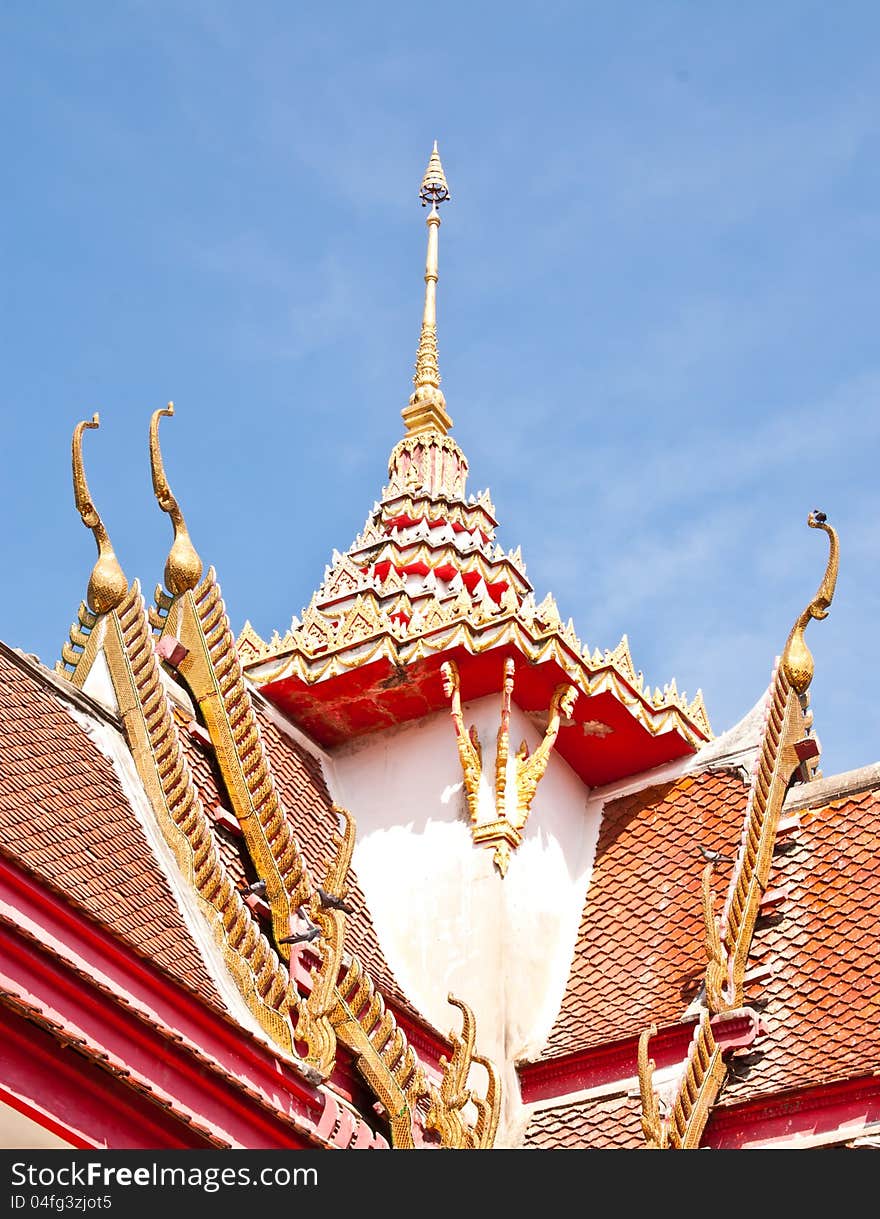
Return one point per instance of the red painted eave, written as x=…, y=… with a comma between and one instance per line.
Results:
x=617, y=1061
x=62, y=971
x=379, y=695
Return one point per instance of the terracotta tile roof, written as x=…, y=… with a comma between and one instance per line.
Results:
x=65, y=818
x=209, y=784
x=640, y=956
x=821, y=1004
x=605, y=1123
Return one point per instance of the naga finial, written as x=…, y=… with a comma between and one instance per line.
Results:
x=107, y=583
x=426, y=411
x=653, y=1126
x=183, y=567
x=469, y=751
x=797, y=660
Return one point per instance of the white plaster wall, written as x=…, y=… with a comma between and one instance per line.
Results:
x=447, y=920
x=98, y=683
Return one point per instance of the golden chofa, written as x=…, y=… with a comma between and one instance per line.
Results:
x=797, y=659
x=107, y=584
x=183, y=567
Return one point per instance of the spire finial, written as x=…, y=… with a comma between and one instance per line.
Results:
x=426, y=411
x=797, y=660
x=434, y=189
x=107, y=583
x=183, y=567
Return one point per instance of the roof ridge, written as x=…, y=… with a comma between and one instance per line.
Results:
x=259, y=975
x=785, y=747
x=819, y=792
x=60, y=685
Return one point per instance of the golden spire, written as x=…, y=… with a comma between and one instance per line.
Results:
x=426, y=411
x=183, y=567
x=797, y=660
x=107, y=583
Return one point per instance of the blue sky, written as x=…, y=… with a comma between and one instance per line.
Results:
x=657, y=307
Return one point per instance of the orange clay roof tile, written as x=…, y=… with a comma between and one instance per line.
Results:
x=604, y=1123
x=65, y=818
x=821, y=1004
x=639, y=956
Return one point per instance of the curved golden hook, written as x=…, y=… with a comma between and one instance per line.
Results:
x=797, y=660
x=183, y=567
x=464, y=1042
x=652, y=1124
x=82, y=499
x=107, y=583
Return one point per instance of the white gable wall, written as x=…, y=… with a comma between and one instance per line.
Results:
x=447, y=920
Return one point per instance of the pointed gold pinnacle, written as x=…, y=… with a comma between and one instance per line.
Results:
x=426, y=411
x=434, y=188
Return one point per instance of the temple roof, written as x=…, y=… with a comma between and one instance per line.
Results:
x=169, y=786
x=819, y=950
x=810, y=983
x=426, y=581
x=613, y=1122
x=241, y=815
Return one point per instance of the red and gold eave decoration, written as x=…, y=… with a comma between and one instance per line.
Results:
x=603, y=742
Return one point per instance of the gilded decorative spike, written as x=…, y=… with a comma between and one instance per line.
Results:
x=183, y=567
x=530, y=768
x=249, y=645
x=444, y=1113
x=447, y=1104
x=502, y=744
x=382, y=1055
x=158, y=612
x=467, y=741
x=161, y=764
x=504, y=833
x=434, y=188
x=728, y=939
x=77, y=655
x=107, y=583
x=797, y=660
x=426, y=411
x=717, y=966
x=327, y=911
x=488, y=1107
x=652, y=1124
x=213, y=672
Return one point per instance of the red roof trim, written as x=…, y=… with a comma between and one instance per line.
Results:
x=833, y=1109
x=35, y=901
x=213, y=1034
x=88, y=1110
x=127, y=1042
x=618, y=1060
